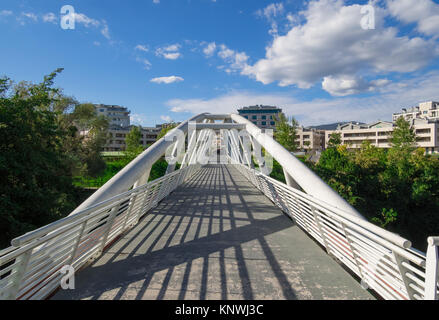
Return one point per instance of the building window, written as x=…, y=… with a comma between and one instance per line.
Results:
x=246, y=117
x=255, y=123
x=264, y=117
x=264, y=123
x=254, y=117
x=272, y=123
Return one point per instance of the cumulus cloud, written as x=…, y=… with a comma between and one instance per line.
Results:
x=236, y=61
x=169, y=52
x=393, y=97
x=425, y=13
x=167, y=80
x=344, y=85
x=331, y=44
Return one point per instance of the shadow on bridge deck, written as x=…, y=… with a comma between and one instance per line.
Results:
x=216, y=237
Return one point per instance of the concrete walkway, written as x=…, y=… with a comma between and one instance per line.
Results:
x=216, y=237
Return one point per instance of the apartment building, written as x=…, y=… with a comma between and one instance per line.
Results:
x=118, y=116
x=379, y=134
x=262, y=116
x=310, y=139
x=120, y=126
x=426, y=110
x=117, y=136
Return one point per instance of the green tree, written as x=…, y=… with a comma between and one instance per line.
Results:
x=285, y=132
x=403, y=137
x=334, y=140
x=35, y=176
x=133, y=145
x=166, y=129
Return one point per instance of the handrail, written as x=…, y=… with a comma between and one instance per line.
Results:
x=379, y=257
x=132, y=172
x=305, y=177
x=77, y=239
x=390, y=236
x=432, y=270
x=21, y=240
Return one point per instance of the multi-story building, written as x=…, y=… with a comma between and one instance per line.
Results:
x=117, y=136
x=119, y=116
x=310, y=139
x=120, y=126
x=262, y=116
x=379, y=134
x=426, y=110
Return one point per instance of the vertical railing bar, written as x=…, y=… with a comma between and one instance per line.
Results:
x=19, y=274
x=432, y=270
x=403, y=270
x=110, y=221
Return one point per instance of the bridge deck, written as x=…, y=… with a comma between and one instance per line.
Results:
x=216, y=237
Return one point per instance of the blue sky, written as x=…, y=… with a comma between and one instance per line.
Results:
x=169, y=59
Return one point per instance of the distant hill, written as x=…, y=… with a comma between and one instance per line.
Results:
x=332, y=126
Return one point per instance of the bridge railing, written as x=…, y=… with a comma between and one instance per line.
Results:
x=31, y=267
x=392, y=270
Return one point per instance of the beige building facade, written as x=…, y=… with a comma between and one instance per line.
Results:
x=379, y=134
x=310, y=139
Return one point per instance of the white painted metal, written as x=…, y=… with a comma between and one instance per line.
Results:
x=128, y=176
x=307, y=179
x=432, y=273
x=354, y=242
x=385, y=261
x=33, y=264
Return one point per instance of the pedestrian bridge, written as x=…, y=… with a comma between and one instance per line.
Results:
x=217, y=228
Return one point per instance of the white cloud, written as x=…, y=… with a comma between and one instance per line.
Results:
x=166, y=118
x=96, y=43
x=50, y=17
x=171, y=56
x=169, y=52
x=138, y=119
x=209, y=50
x=319, y=111
x=272, y=13
x=423, y=12
x=105, y=31
x=331, y=43
x=146, y=64
x=344, y=85
x=86, y=21
x=167, y=80
x=141, y=47
x=30, y=15
x=156, y=1
x=5, y=13
x=236, y=61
